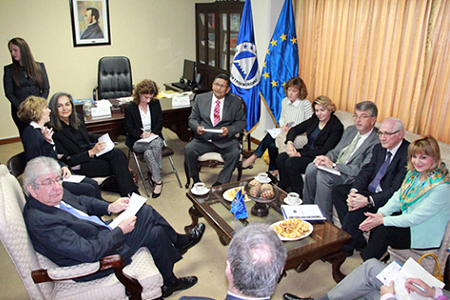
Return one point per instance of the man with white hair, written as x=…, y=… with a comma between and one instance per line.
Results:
x=65, y=228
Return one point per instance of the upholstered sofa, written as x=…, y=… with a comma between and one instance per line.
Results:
x=56, y=281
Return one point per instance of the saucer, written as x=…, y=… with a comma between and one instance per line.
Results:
x=195, y=192
x=260, y=181
x=286, y=200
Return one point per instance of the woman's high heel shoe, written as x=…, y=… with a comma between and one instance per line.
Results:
x=156, y=195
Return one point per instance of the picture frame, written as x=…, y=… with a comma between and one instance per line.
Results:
x=90, y=22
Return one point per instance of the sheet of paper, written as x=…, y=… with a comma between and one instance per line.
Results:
x=74, y=178
x=411, y=269
x=181, y=101
x=136, y=203
x=304, y=212
x=109, y=144
x=213, y=130
x=274, y=132
x=330, y=170
x=148, y=140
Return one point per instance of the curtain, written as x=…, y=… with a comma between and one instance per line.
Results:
x=394, y=53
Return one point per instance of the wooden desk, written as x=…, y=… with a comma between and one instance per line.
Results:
x=175, y=119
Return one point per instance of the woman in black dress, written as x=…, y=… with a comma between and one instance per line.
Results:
x=24, y=77
x=80, y=148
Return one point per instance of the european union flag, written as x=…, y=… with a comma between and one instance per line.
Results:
x=281, y=62
x=245, y=74
x=238, y=206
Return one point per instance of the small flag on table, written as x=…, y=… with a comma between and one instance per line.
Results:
x=238, y=206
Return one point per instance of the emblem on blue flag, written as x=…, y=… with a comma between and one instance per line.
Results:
x=245, y=74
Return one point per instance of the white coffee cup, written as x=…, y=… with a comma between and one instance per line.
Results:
x=263, y=177
x=199, y=187
x=294, y=198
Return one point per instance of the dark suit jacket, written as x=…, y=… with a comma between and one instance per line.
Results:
x=327, y=139
x=361, y=156
x=67, y=145
x=391, y=180
x=73, y=241
x=93, y=31
x=233, y=117
x=28, y=86
x=133, y=122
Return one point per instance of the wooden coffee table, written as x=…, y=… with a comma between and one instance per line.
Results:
x=325, y=242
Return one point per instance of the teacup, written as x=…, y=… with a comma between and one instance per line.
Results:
x=294, y=198
x=263, y=177
x=199, y=187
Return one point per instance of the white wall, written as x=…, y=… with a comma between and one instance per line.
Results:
x=157, y=35
x=265, y=18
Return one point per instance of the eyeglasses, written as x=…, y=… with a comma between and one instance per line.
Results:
x=221, y=86
x=362, y=117
x=50, y=182
x=381, y=133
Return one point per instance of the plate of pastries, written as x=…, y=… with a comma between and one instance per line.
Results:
x=292, y=229
x=261, y=192
x=231, y=193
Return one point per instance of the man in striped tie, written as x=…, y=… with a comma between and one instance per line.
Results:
x=342, y=164
x=216, y=118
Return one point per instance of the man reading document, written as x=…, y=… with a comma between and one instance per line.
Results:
x=224, y=113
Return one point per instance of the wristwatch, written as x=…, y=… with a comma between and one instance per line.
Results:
x=290, y=142
x=333, y=165
x=369, y=202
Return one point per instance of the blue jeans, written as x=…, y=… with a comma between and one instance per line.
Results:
x=268, y=143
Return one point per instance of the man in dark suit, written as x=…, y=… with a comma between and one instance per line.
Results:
x=220, y=111
x=93, y=30
x=353, y=151
x=375, y=183
x=255, y=262
x=65, y=228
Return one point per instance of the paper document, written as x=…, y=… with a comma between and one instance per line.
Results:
x=305, y=212
x=274, y=132
x=136, y=203
x=109, y=144
x=74, y=178
x=149, y=139
x=329, y=170
x=213, y=130
x=411, y=269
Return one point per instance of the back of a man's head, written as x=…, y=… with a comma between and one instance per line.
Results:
x=256, y=258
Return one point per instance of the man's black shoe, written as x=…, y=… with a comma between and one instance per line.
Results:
x=360, y=246
x=184, y=284
x=288, y=296
x=194, y=235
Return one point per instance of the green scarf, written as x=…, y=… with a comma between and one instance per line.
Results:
x=411, y=192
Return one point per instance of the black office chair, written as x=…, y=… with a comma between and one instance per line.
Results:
x=114, y=78
x=16, y=164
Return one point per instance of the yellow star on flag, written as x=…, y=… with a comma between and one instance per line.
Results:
x=294, y=40
x=266, y=75
x=283, y=37
x=274, y=83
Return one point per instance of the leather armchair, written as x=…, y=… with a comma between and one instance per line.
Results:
x=114, y=78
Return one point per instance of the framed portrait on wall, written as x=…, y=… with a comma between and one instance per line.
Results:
x=90, y=22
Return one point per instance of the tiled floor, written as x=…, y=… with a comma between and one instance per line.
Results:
x=207, y=259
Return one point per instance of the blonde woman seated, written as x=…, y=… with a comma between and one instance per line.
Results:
x=37, y=140
x=295, y=108
x=422, y=201
x=324, y=131
x=143, y=119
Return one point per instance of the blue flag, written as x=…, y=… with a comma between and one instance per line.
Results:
x=238, y=206
x=245, y=74
x=281, y=62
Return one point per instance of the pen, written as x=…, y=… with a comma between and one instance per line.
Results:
x=419, y=287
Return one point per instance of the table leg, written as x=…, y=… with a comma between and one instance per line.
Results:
x=336, y=260
x=194, y=216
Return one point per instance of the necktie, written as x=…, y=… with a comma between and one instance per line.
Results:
x=217, y=113
x=345, y=153
x=75, y=213
x=376, y=181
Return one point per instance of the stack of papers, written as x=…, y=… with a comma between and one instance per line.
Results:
x=135, y=204
x=305, y=212
x=109, y=144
